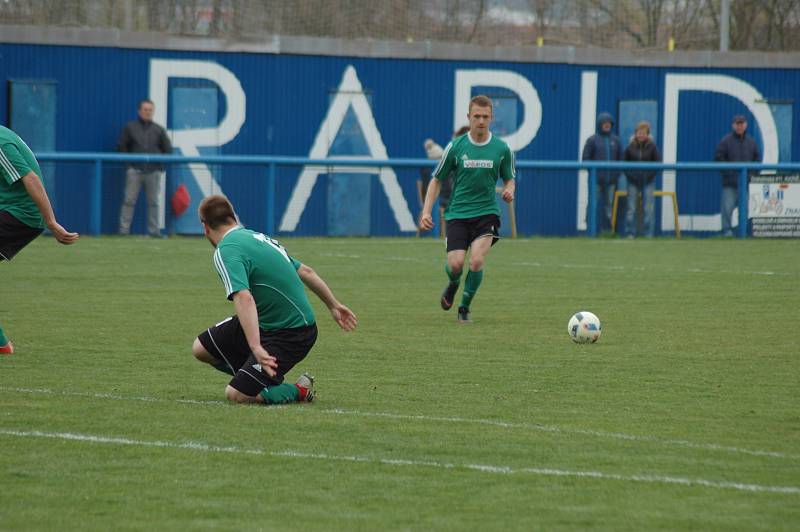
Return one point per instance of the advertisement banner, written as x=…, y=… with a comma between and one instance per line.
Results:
x=774, y=206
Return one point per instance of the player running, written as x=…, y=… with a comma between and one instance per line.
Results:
x=473, y=216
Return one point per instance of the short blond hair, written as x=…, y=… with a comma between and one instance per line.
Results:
x=480, y=101
x=644, y=124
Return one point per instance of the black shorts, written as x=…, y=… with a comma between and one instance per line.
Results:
x=226, y=342
x=461, y=232
x=14, y=235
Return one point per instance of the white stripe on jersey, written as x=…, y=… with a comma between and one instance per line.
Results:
x=441, y=161
x=12, y=171
x=223, y=273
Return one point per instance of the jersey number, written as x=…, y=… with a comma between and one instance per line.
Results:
x=274, y=243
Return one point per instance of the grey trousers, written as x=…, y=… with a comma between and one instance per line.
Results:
x=133, y=184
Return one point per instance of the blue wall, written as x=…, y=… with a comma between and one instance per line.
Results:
x=288, y=98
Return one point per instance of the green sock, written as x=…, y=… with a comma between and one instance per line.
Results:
x=454, y=277
x=280, y=394
x=471, y=286
x=223, y=367
x=3, y=338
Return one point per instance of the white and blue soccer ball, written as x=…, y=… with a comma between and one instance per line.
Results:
x=584, y=327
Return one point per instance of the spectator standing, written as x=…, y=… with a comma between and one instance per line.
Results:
x=604, y=146
x=736, y=146
x=642, y=149
x=143, y=136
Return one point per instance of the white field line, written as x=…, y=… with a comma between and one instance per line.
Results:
x=483, y=468
x=439, y=419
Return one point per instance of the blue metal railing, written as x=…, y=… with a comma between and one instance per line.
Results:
x=271, y=162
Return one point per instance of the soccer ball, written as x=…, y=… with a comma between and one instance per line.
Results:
x=584, y=327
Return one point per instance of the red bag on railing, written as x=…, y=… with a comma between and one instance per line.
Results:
x=181, y=200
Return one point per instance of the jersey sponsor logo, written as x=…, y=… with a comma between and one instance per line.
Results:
x=478, y=163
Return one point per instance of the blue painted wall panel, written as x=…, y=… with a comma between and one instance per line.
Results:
x=288, y=98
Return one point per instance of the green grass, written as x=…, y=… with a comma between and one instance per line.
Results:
x=696, y=377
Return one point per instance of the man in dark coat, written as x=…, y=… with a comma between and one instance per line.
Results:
x=735, y=146
x=603, y=146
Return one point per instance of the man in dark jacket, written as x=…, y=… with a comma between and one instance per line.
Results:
x=642, y=149
x=603, y=146
x=734, y=147
x=143, y=136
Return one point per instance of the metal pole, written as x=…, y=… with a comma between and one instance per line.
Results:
x=592, y=202
x=270, y=208
x=743, y=194
x=724, y=25
x=97, y=196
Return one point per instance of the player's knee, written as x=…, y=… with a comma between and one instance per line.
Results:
x=456, y=265
x=235, y=396
x=200, y=352
x=476, y=263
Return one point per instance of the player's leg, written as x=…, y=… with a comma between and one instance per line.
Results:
x=14, y=235
x=289, y=347
x=133, y=183
x=219, y=347
x=486, y=232
x=6, y=347
x=457, y=240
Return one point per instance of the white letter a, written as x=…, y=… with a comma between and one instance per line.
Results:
x=350, y=94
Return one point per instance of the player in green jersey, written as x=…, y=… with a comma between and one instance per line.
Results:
x=274, y=327
x=472, y=214
x=25, y=209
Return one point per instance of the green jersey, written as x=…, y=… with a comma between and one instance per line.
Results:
x=246, y=260
x=17, y=161
x=476, y=169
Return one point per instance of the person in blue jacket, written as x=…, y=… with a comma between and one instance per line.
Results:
x=603, y=146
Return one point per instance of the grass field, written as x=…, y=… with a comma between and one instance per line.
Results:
x=685, y=416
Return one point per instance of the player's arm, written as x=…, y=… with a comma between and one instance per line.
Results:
x=33, y=185
x=425, y=217
x=508, y=171
x=434, y=187
x=248, y=317
x=341, y=314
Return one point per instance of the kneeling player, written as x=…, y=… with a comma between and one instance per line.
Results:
x=274, y=327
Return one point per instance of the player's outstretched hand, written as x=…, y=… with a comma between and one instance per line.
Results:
x=425, y=222
x=508, y=196
x=62, y=235
x=344, y=317
x=267, y=361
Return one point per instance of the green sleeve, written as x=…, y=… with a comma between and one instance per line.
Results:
x=446, y=163
x=508, y=166
x=296, y=263
x=232, y=270
x=13, y=166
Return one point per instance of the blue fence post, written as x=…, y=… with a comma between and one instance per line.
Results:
x=97, y=198
x=743, y=195
x=591, y=222
x=270, y=208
